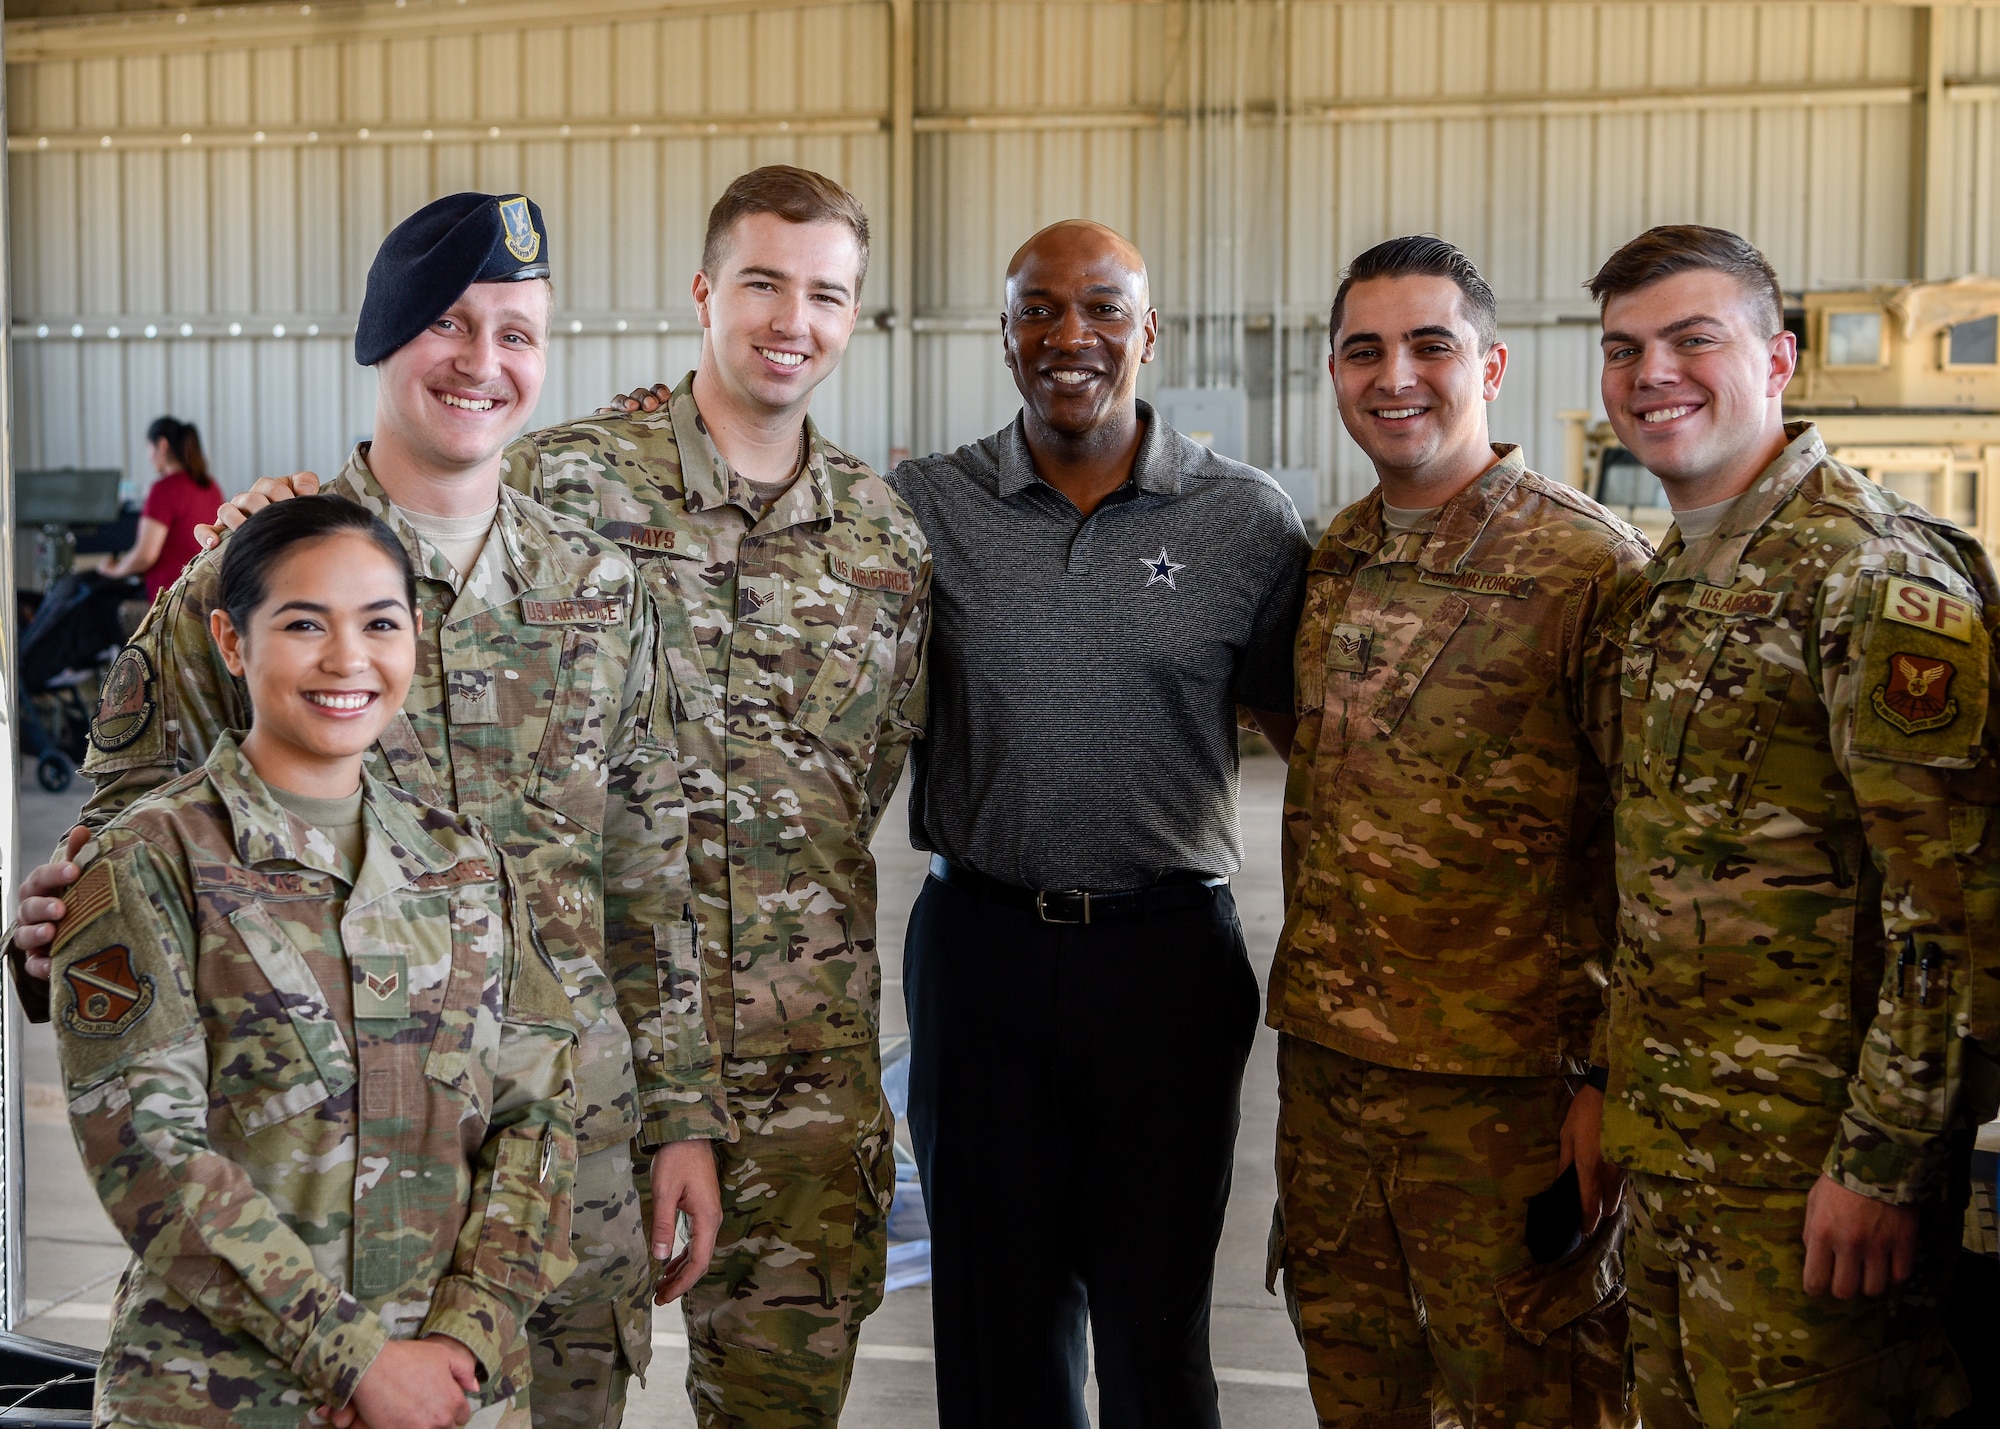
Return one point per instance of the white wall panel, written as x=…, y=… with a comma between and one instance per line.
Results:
x=1794, y=123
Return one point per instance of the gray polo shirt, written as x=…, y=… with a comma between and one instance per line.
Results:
x=1085, y=673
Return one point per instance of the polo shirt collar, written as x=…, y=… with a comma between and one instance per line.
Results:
x=708, y=480
x=1156, y=468
x=1713, y=559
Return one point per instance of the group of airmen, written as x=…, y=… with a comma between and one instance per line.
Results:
x=1638, y=994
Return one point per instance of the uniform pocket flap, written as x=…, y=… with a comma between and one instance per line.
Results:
x=1917, y=1382
x=1538, y=1300
x=304, y=1004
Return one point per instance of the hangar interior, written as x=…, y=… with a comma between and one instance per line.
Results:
x=196, y=189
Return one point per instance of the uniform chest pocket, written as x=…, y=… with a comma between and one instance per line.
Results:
x=1709, y=722
x=571, y=765
x=844, y=705
x=279, y=1051
x=1316, y=641
x=1462, y=691
x=469, y=1012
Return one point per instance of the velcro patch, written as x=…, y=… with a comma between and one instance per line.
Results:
x=107, y=994
x=471, y=870
x=125, y=707
x=577, y=610
x=88, y=899
x=1917, y=695
x=870, y=577
x=264, y=885
x=1347, y=647
x=643, y=538
x=1928, y=609
x=381, y=988
x=1481, y=582
x=1721, y=600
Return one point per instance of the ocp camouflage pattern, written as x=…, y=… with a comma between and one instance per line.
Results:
x=322, y=1114
x=532, y=710
x=806, y=1187
x=792, y=636
x=1447, y=862
x=1808, y=844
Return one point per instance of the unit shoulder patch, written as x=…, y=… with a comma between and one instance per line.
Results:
x=108, y=995
x=1922, y=695
x=125, y=707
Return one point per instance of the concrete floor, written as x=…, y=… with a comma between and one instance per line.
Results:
x=73, y=1255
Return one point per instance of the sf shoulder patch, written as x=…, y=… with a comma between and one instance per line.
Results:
x=1922, y=695
x=107, y=994
x=125, y=708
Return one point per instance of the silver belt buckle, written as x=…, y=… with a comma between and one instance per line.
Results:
x=1042, y=907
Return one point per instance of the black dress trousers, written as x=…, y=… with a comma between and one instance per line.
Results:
x=1073, y=1101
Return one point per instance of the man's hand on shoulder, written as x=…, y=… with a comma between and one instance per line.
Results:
x=638, y=400
x=262, y=493
x=41, y=907
x=1856, y=1244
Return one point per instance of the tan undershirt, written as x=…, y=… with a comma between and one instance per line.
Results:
x=338, y=819
x=1397, y=520
x=459, y=539
x=1699, y=521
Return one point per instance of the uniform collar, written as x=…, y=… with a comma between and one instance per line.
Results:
x=1714, y=558
x=708, y=480
x=523, y=559
x=1460, y=524
x=263, y=830
x=1157, y=467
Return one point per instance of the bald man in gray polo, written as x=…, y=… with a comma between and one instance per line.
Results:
x=1107, y=594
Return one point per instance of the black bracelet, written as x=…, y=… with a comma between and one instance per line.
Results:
x=1595, y=1076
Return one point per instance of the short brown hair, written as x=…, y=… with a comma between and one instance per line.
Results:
x=1685, y=247
x=793, y=194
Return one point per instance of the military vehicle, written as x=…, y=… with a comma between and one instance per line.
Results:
x=1904, y=383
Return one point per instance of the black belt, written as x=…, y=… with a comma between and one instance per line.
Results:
x=1077, y=905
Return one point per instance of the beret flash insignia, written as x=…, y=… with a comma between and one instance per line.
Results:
x=107, y=995
x=1917, y=696
x=522, y=240
x=125, y=707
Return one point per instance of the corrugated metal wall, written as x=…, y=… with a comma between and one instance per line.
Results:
x=212, y=187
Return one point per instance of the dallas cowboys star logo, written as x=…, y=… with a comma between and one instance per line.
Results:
x=1162, y=568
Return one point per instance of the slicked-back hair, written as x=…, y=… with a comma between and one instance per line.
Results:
x=255, y=550
x=793, y=194
x=1422, y=255
x=1688, y=247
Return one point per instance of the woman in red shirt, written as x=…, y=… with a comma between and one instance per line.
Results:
x=183, y=497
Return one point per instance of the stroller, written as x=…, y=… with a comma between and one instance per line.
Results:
x=74, y=634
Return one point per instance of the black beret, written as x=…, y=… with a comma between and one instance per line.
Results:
x=430, y=259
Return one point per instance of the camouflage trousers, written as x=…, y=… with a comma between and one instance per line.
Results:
x=595, y=1331
x=804, y=1248
x=1401, y=1235
x=1724, y=1335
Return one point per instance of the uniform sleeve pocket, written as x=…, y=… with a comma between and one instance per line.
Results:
x=684, y=1001
x=525, y=1224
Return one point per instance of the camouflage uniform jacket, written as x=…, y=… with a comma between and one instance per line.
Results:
x=322, y=1114
x=792, y=638
x=1808, y=844
x=531, y=710
x=1447, y=854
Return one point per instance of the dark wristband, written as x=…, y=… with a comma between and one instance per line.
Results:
x=1599, y=1077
